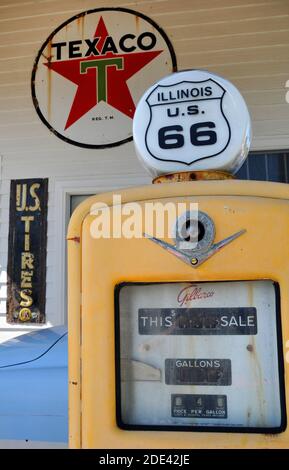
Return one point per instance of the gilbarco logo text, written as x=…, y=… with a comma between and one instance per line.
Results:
x=190, y=293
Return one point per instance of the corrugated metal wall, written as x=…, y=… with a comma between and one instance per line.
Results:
x=247, y=41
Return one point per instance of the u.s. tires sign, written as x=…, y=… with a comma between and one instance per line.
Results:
x=92, y=70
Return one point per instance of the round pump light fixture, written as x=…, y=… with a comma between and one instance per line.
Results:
x=192, y=120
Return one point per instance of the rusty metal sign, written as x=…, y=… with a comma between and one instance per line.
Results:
x=27, y=251
x=91, y=72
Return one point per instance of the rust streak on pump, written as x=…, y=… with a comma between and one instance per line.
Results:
x=74, y=239
x=254, y=355
x=250, y=294
x=259, y=380
x=181, y=177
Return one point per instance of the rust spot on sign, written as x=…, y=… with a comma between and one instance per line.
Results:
x=80, y=26
x=137, y=23
x=250, y=348
x=49, y=58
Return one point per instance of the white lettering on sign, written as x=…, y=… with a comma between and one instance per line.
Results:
x=156, y=321
x=228, y=320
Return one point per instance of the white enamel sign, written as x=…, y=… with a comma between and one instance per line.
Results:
x=202, y=354
x=192, y=120
x=91, y=71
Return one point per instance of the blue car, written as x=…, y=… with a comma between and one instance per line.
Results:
x=34, y=390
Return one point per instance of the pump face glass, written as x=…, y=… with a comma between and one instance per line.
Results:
x=195, y=355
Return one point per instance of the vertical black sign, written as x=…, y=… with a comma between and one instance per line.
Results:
x=27, y=251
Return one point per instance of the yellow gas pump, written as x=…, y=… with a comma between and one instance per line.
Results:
x=178, y=291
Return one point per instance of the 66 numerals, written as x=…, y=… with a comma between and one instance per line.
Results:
x=172, y=137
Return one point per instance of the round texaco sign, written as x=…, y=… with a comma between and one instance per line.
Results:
x=90, y=73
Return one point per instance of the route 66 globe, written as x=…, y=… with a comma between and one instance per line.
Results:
x=192, y=120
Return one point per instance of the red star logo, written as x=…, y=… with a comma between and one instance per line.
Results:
x=101, y=77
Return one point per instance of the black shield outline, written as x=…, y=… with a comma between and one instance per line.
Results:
x=221, y=106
